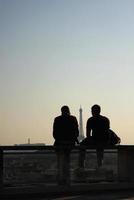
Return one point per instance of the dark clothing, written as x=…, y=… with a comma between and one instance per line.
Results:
x=114, y=139
x=97, y=130
x=65, y=133
x=98, y=127
x=65, y=129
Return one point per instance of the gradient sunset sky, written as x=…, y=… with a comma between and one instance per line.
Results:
x=65, y=52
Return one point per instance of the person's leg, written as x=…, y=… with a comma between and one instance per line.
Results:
x=82, y=153
x=66, y=167
x=81, y=158
x=60, y=160
x=100, y=153
x=63, y=167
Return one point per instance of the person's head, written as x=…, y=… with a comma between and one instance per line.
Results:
x=96, y=109
x=65, y=110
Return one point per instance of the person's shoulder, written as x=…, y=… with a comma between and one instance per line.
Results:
x=104, y=118
x=57, y=118
x=72, y=117
x=90, y=119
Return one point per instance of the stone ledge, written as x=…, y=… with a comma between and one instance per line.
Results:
x=50, y=190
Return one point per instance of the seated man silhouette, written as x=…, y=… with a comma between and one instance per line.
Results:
x=65, y=133
x=97, y=129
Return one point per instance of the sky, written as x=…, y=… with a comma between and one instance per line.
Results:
x=65, y=52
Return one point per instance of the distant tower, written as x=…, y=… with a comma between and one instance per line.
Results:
x=81, y=132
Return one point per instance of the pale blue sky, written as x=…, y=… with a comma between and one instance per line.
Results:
x=56, y=52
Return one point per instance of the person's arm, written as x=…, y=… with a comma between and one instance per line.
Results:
x=54, y=129
x=88, y=129
x=107, y=124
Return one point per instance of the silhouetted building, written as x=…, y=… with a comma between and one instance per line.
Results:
x=30, y=144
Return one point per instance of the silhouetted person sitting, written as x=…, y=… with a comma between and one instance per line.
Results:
x=65, y=128
x=97, y=134
x=65, y=133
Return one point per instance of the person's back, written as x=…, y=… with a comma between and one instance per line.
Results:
x=65, y=128
x=99, y=126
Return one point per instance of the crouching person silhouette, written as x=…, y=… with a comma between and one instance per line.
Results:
x=97, y=135
x=65, y=133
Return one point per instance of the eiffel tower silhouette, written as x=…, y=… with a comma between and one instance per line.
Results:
x=81, y=132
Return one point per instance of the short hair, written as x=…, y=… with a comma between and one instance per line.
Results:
x=65, y=109
x=96, y=108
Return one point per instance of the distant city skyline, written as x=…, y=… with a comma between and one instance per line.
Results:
x=65, y=52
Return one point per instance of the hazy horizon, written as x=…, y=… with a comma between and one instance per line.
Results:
x=65, y=52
